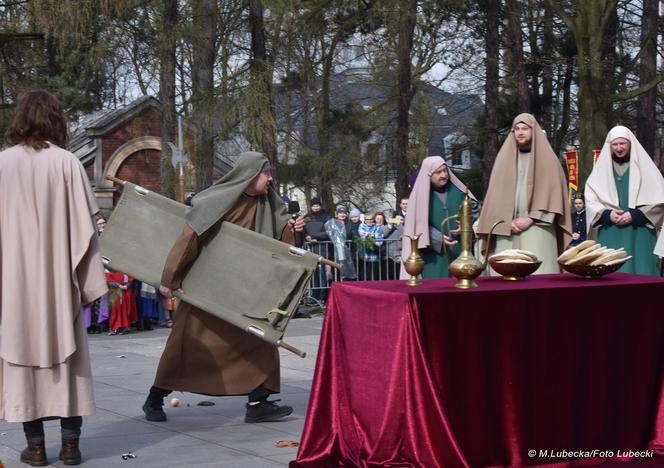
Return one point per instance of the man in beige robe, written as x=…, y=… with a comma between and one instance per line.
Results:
x=50, y=265
x=205, y=354
x=528, y=192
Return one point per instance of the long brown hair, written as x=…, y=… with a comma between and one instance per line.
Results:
x=39, y=119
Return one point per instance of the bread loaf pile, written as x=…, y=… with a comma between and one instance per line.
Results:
x=592, y=253
x=514, y=256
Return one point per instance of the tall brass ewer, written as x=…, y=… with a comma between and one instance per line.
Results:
x=465, y=268
x=414, y=264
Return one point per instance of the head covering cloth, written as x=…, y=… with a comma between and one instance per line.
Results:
x=547, y=185
x=212, y=204
x=417, y=219
x=646, y=184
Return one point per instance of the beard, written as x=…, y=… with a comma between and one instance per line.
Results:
x=620, y=160
x=524, y=145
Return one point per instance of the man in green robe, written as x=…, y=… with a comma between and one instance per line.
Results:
x=625, y=201
x=528, y=192
x=437, y=194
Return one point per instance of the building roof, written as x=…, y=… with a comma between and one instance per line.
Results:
x=103, y=122
x=453, y=113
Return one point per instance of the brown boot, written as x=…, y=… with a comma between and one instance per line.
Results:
x=34, y=454
x=70, y=454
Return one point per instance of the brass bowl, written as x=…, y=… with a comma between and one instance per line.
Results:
x=514, y=271
x=591, y=271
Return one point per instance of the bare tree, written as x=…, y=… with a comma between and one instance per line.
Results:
x=405, y=90
x=515, y=47
x=204, y=28
x=167, y=46
x=262, y=126
x=491, y=13
x=646, y=122
x=590, y=24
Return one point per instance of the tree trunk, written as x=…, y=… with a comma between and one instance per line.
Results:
x=407, y=18
x=325, y=156
x=518, y=70
x=263, y=133
x=53, y=66
x=595, y=62
x=594, y=109
x=203, y=98
x=167, y=45
x=548, y=46
x=561, y=131
x=492, y=49
x=646, y=123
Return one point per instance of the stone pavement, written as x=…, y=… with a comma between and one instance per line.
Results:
x=124, y=366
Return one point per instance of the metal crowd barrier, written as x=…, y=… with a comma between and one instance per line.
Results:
x=382, y=263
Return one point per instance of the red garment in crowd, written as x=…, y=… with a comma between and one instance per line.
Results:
x=123, y=311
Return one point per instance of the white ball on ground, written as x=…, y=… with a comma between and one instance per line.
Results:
x=175, y=402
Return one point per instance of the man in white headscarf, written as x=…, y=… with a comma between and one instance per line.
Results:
x=625, y=200
x=528, y=192
x=437, y=194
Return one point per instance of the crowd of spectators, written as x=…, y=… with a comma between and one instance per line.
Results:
x=368, y=245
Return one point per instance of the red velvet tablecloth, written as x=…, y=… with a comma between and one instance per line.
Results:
x=435, y=376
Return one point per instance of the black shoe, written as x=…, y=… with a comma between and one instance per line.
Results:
x=34, y=454
x=153, y=410
x=70, y=453
x=266, y=411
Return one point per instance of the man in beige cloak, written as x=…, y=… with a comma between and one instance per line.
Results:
x=204, y=354
x=50, y=265
x=528, y=191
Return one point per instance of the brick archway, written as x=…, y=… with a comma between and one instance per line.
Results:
x=124, y=152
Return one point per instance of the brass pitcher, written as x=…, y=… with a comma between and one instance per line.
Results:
x=414, y=264
x=465, y=268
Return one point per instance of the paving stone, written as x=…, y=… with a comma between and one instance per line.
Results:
x=194, y=436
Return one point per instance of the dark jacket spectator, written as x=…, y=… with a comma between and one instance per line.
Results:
x=314, y=228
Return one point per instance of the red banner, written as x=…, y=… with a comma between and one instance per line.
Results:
x=572, y=160
x=596, y=155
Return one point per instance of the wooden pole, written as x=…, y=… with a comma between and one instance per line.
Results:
x=181, y=181
x=325, y=261
x=116, y=180
x=292, y=349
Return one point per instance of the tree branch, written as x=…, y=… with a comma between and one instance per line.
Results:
x=636, y=92
x=17, y=2
x=606, y=16
x=9, y=37
x=566, y=17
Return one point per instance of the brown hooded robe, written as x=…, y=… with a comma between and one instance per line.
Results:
x=205, y=354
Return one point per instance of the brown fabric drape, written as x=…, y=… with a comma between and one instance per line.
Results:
x=547, y=186
x=205, y=354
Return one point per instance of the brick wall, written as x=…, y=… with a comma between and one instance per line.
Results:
x=141, y=168
x=147, y=123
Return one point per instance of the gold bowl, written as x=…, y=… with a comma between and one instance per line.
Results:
x=514, y=271
x=591, y=271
